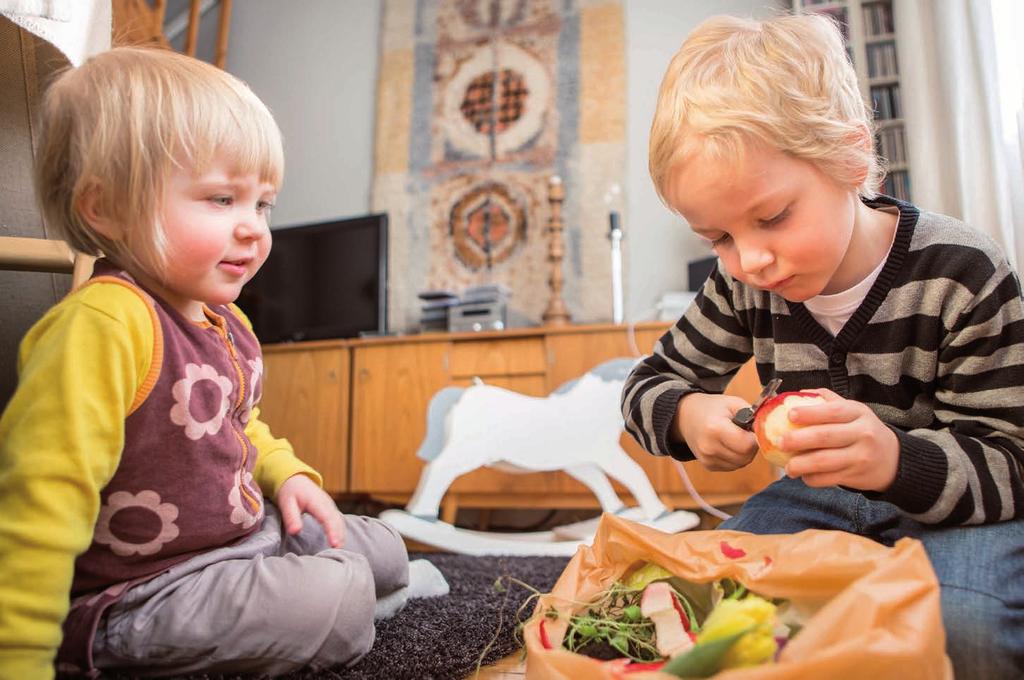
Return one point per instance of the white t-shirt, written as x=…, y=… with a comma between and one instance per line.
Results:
x=833, y=311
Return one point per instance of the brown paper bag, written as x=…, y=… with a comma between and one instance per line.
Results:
x=871, y=611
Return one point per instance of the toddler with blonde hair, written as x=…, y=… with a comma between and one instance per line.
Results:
x=910, y=324
x=134, y=533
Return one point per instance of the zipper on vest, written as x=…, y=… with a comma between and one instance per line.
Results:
x=243, y=386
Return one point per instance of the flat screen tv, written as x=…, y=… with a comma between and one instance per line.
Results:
x=322, y=280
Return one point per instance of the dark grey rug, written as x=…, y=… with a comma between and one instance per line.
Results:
x=444, y=638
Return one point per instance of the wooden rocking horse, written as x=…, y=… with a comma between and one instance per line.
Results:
x=575, y=429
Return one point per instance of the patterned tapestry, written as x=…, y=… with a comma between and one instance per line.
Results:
x=480, y=103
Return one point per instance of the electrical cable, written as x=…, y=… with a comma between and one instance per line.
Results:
x=703, y=504
x=631, y=328
x=690, y=489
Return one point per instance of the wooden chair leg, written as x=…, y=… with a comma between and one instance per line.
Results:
x=192, y=36
x=450, y=508
x=223, y=27
x=484, y=523
x=82, y=270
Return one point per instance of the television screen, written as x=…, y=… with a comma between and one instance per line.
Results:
x=322, y=280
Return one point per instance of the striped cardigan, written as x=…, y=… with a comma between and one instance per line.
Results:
x=936, y=350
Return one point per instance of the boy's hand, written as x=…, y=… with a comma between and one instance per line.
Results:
x=841, y=442
x=704, y=422
x=300, y=494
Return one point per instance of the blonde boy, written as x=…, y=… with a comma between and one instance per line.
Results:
x=910, y=324
x=133, y=463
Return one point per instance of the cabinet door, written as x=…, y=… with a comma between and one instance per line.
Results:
x=573, y=354
x=516, y=364
x=305, y=400
x=392, y=387
x=570, y=355
x=537, y=366
x=743, y=482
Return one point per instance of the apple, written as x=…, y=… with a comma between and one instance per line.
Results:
x=671, y=627
x=772, y=421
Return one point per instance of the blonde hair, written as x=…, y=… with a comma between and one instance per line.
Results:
x=786, y=82
x=119, y=124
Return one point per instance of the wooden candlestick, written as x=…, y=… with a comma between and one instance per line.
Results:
x=556, y=314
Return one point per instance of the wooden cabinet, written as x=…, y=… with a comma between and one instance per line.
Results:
x=574, y=353
x=392, y=385
x=306, y=391
x=394, y=379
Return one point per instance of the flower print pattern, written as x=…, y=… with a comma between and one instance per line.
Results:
x=242, y=510
x=256, y=368
x=126, y=535
x=184, y=392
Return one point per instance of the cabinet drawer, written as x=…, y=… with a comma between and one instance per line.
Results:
x=522, y=356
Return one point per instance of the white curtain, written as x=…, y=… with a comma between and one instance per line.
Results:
x=960, y=67
x=78, y=28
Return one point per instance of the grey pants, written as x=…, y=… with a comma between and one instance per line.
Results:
x=271, y=604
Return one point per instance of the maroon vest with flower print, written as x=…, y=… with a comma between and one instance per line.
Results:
x=184, y=483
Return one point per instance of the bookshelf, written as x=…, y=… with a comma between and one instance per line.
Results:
x=868, y=28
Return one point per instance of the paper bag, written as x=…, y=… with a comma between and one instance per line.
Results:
x=871, y=611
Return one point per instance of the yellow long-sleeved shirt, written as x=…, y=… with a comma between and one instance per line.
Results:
x=81, y=368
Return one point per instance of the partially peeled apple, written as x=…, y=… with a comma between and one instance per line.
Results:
x=671, y=626
x=772, y=421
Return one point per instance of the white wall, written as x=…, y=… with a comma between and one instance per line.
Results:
x=658, y=244
x=315, y=64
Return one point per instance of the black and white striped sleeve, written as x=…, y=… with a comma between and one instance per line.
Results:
x=700, y=353
x=966, y=468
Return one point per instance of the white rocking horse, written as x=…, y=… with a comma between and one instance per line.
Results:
x=576, y=429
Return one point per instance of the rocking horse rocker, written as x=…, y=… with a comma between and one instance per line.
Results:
x=576, y=429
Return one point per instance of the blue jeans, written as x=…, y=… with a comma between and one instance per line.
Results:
x=980, y=568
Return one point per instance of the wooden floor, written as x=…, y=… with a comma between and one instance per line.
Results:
x=509, y=668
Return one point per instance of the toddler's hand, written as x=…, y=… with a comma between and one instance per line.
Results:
x=704, y=422
x=300, y=494
x=841, y=442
